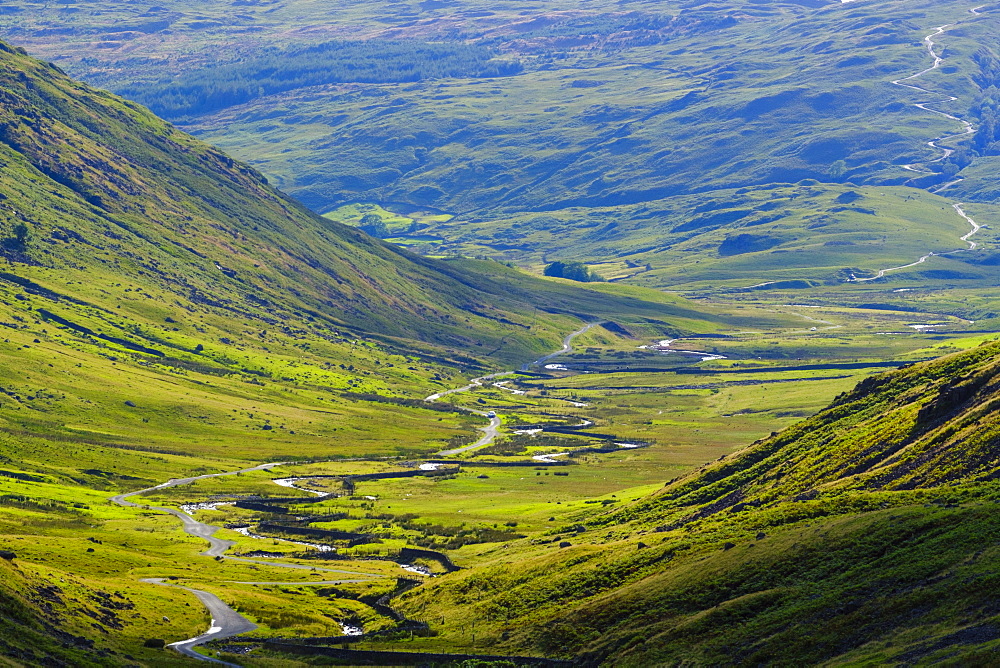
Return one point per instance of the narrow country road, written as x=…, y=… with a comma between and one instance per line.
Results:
x=967, y=127
x=474, y=383
x=226, y=622
x=216, y=546
x=567, y=346
x=966, y=238
x=491, y=431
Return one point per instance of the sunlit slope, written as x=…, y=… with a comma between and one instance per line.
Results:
x=67, y=596
x=108, y=193
x=927, y=426
x=805, y=235
x=866, y=532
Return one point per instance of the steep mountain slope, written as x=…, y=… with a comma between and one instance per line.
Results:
x=105, y=188
x=151, y=281
x=867, y=532
x=545, y=124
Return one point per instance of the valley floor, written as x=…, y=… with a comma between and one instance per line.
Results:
x=307, y=552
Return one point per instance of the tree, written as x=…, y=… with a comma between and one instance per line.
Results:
x=372, y=223
x=21, y=233
x=574, y=271
x=555, y=269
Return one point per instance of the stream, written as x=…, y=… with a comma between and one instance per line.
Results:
x=227, y=622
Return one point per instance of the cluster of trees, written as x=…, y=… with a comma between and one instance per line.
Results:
x=372, y=223
x=22, y=233
x=986, y=113
x=277, y=70
x=574, y=271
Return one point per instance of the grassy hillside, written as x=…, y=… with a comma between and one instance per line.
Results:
x=164, y=312
x=619, y=102
x=864, y=533
x=106, y=191
x=544, y=125
x=158, y=295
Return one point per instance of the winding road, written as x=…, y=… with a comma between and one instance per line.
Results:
x=226, y=622
x=567, y=346
x=966, y=238
x=492, y=430
x=490, y=433
x=217, y=546
x=967, y=129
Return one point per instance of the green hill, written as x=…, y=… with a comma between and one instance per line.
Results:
x=165, y=312
x=738, y=150
x=107, y=192
x=539, y=126
x=133, y=252
x=866, y=533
